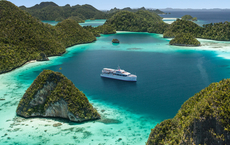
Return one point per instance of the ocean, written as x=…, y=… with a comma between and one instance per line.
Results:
x=166, y=77
x=203, y=16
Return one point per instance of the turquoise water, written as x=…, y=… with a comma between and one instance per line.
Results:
x=167, y=76
x=93, y=23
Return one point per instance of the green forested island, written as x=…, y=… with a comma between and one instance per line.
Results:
x=114, y=10
x=202, y=119
x=139, y=21
x=24, y=38
x=53, y=95
x=189, y=18
x=184, y=39
x=217, y=31
x=51, y=11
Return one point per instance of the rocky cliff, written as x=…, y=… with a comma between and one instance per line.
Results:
x=203, y=119
x=53, y=95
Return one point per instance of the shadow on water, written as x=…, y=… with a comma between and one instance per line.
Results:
x=118, y=83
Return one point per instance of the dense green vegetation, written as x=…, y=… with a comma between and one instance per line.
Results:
x=183, y=26
x=159, y=28
x=114, y=10
x=189, y=18
x=139, y=21
x=216, y=31
x=185, y=39
x=23, y=37
x=51, y=11
x=194, y=19
x=60, y=88
x=186, y=17
x=202, y=119
x=103, y=29
x=77, y=19
x=71, y=33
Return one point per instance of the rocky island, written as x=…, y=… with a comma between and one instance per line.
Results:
x=184, y=39
x=115, y=41
x=202, y=119
x=53, y=95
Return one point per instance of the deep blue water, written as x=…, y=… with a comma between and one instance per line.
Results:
x=165, y=80
x=207, y=16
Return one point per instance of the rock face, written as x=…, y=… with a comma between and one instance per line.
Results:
x=53, y=95
x=115, y=41
x=203, y=119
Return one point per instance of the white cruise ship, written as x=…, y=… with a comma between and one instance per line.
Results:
x=118, y=74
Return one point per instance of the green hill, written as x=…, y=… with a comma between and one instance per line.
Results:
x=134, y=10
x=186, y=17
x=202, y=119
x=71, y=33
x=51, y=11
x=183, y=26
x=184, y=39
x=23, y=37
x=53, y=95
x=216, y=31
x=139, y=21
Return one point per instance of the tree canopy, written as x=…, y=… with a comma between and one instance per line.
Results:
x=202, y=119
x=24, y=38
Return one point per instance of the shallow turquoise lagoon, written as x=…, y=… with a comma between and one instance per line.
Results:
x=167, y=76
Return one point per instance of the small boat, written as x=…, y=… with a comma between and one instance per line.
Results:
x=118, y=74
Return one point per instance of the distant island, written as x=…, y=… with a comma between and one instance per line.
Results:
x=114, y=10
x=53, y=95
x=51, y=11
x=189, y=18
x=80, y=13
x=139, y=21
x=202, y=119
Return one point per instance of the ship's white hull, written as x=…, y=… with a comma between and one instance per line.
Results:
x=112, y=76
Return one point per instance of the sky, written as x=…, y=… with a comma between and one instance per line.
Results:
x=160, y=4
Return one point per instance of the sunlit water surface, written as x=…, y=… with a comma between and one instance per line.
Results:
x=167, y=76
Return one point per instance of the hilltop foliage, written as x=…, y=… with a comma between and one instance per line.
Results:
x=139, y=21
x=216, y=31
x=186, y=17
x=23, y=37
x=103, y=29
x=51, y=11
x=77, y=19
x=185, y=39
x=71, y=33
x=183, y=26
x=115, y=10
x=207, y=110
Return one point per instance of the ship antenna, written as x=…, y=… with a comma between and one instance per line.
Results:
x=118, y=67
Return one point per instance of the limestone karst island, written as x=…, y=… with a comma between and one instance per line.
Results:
x=57, y=85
